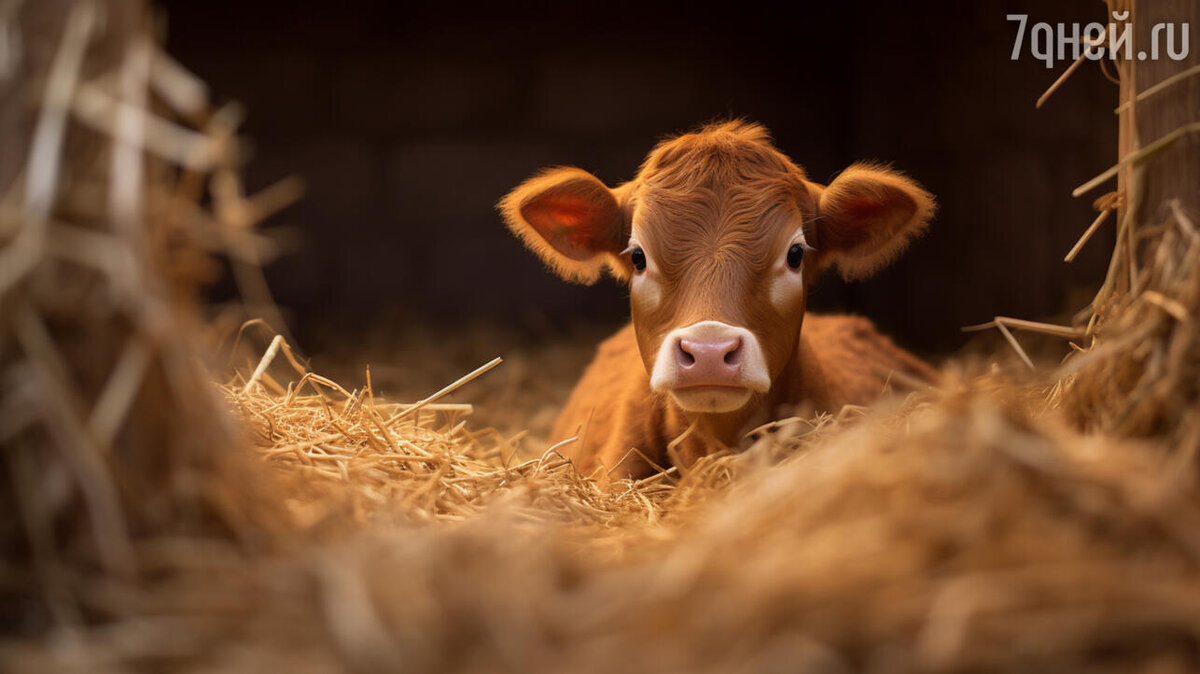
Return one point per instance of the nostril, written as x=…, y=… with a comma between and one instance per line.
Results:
x=734, y=355
x=686, y=359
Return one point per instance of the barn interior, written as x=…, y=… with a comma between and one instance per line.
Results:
x=412, y=122
x=278, y=382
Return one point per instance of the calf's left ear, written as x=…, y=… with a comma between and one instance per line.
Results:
x=868, y=216
x=569, y=219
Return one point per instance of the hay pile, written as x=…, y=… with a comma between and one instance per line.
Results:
x=154, y=519
x=112, y=434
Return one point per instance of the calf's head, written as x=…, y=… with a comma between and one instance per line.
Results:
x=719, y=237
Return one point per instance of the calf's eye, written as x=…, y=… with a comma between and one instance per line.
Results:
x=795, y=256
x=638, y=257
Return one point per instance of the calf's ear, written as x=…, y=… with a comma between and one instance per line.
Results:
x=868, y=216
x=571, y=220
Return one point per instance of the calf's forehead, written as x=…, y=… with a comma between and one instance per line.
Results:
x=738, y=219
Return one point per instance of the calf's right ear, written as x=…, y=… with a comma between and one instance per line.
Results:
x=571, y=220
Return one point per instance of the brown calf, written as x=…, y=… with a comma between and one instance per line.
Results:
x=720, y=236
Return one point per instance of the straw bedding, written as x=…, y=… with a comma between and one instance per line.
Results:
x=159, y=514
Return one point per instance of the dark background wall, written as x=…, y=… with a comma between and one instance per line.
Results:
x=409, y=121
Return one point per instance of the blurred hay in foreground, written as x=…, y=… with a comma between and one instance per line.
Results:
x=318, y=528
x=113, y=436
